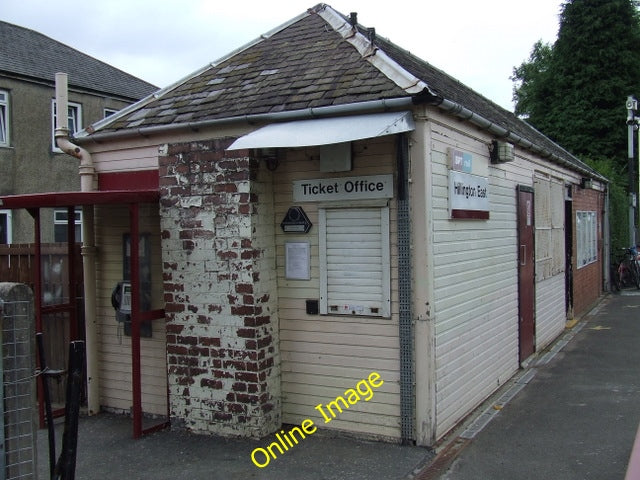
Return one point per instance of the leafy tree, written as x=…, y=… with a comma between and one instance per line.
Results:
x=574, y=90
x=532, y=84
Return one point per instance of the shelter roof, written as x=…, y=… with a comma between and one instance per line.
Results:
x=319, y=60
x=71, y=199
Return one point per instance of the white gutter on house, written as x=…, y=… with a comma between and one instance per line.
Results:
x=87, y=173
x=495, y=129
x=373, y=106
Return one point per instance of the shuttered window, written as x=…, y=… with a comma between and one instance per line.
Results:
x=549, y=225
x=355, y=261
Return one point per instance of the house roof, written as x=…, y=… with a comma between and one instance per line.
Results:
x=319, y=61
x=32, y=55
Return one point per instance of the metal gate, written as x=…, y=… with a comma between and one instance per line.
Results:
x=19, y=415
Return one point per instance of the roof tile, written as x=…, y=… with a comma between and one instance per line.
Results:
x=308, y=64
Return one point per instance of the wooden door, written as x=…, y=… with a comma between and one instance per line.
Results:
x=526, y=272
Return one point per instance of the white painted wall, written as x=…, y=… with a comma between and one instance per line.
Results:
x=475, y=285
x=474, y=305
x=115, y=348
x=324, y=355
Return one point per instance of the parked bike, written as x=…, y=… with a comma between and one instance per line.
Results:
x=627, y=270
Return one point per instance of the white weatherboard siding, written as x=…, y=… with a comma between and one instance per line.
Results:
x=324, y=355
x=551, y=316
x=115, y=347
x=128, y=159
x=475, y=286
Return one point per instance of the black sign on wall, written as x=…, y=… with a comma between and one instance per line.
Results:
x=296, y=221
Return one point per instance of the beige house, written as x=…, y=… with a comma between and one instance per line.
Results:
x=317, y=206
x=30, y=161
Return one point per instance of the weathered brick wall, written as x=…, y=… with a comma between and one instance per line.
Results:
x=587, y=281
x=220, y=290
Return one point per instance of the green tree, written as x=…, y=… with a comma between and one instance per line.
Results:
x=574, y=91
x=531, y=82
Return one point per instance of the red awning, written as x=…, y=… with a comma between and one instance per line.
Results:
x=67, y=199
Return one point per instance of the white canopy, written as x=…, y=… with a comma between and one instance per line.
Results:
x=324, y=131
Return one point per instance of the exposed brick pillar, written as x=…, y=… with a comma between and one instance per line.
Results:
x=220, y=290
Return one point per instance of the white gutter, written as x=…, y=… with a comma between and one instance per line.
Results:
x=87, y=173
x=495, y=129
x=372, y=106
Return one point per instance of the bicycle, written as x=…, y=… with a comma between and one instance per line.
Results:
x=627, y=270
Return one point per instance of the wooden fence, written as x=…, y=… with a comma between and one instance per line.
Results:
x=17, y=264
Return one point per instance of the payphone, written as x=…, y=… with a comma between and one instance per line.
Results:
x=121, y=301
x=121, y=294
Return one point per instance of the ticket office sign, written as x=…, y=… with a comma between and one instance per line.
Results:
x=345, y=188
x=468, y=196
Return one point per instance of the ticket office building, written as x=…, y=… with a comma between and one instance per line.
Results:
x=296, y=253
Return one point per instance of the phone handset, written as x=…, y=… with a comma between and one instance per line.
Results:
x=121, y=301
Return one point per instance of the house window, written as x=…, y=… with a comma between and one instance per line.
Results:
x=60, y=225
x=108, y=112
x=5, y=227
x=4, y=118
x=355, y=272
x=586, y=238
x=74, y=119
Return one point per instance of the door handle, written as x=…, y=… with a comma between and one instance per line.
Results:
x=523, y=255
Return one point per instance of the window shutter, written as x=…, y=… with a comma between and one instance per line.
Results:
x=355, y=261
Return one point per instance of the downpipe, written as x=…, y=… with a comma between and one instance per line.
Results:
x=62, y=134
x=87, y=176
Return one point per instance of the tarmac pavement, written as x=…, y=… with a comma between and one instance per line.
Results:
x=106, y=450
x=572, y=413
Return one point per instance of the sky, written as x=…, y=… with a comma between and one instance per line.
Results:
x=162, y=41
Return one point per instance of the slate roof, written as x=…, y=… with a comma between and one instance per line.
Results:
x=315, y=60
x=28, y=54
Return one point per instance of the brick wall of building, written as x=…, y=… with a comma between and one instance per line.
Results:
x=220, y=290
x=587, y=281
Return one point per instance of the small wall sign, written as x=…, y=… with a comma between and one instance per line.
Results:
x=296, y=221
x=468, y=196
x=297, y=261
x=460, y=161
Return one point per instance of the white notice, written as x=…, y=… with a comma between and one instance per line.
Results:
x=297, y=259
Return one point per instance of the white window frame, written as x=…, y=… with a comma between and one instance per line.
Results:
x=586, y=238
x=9, y=224
x=107, y=112
x=356, y=303
x=5, y=138
x=58, y=220
x=74, y=121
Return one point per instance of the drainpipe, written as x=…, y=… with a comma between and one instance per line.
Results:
x=61, y=134
x=87, y=173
